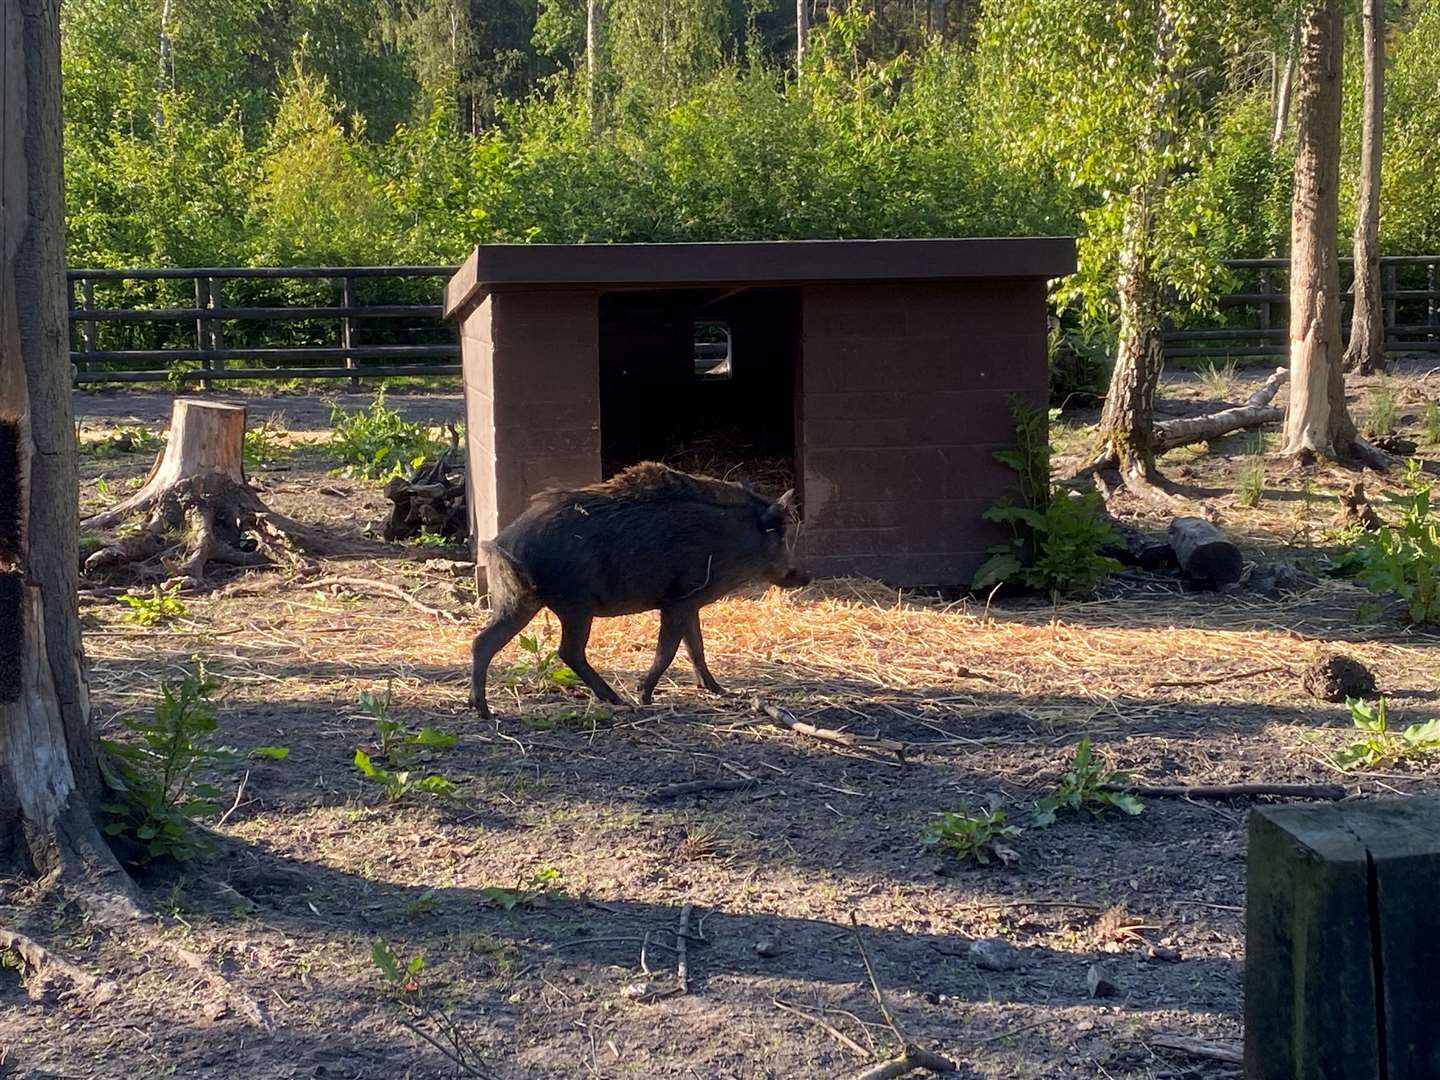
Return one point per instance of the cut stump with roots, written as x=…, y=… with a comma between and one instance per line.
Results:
x=201, y=511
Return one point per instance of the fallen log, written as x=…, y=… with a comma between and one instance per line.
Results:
x=1326, y=792
x=1204, y=553
x=1257, y=410
x=830, y=735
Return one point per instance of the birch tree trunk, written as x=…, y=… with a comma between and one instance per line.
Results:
x=1316, y=420
x=802, y=33
x=1287, y=85
x=1366, y=351
x=593, y=16
x=49, y=774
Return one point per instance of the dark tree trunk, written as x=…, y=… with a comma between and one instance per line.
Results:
x=1317, y=421
x=49, y=775
x=1366, y=351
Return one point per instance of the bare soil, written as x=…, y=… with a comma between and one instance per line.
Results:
x=314, y=865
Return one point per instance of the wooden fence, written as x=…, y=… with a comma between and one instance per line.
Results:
x=1254, y=320
x=135, y=326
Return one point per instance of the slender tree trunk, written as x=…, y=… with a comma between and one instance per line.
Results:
x=802, y=33
x=1317, y=421
x=593, y=28
x=1366, y=351
x=1287, y=85
x=938, y=10
x=49, y=775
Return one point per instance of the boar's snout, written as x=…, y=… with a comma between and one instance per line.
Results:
x=789, y=577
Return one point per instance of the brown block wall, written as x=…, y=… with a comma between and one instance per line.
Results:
x=905, y=394
x=532, y=399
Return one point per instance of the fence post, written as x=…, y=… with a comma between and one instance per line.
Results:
x=1387, y=291
x=216, y=326
x=202, y=328
x=1432, y=308
x=1265, y=304
x=346, y=330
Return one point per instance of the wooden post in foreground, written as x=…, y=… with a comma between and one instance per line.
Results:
x=1342, y=941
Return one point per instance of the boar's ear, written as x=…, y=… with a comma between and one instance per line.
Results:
x=773, y=516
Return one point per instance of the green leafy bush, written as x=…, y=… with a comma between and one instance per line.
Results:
x=159, y=606
x=378, y=442
x=1087, y=785
x=978, y=837
x=1379, y=744
x=398, y=746
x=1404, y=559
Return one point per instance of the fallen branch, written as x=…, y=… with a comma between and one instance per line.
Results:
x=1331, y=792
x=384, y=588
x=843, y=738
x=43, y=963
x=682, y=960
x=1226, y=1052
x=912, y=1056
x=695, y=787
x=1170, y=434
x=1215, y=680
x=834, y=1032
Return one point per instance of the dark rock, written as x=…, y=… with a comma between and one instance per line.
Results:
x=1396, y=444
x=1100, y=982
x=994, y=954
x=1337, y=677
x=767, y=947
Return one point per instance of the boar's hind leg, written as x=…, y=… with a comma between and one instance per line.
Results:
x=695, y=646
x=672, y=627
x=574, y=636
x=503, y=626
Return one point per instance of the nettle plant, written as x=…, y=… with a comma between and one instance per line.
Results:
x=1404, y=559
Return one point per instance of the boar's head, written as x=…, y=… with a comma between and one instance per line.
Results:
x=780, y=567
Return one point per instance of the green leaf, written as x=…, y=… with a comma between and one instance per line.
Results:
x=384, y=958
x=996, y=569
x=436, y=785
x=362, y=762
x=434, y=737
x=274, y=753
x=147, y=832
x=115, y=828
x=1044, y=815
x=1126, y=802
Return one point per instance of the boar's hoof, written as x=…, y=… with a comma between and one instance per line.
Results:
x=481, y=707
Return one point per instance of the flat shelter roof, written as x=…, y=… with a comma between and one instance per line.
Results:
x=744, y=263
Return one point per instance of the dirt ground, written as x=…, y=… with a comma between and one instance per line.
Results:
x=1176, y=687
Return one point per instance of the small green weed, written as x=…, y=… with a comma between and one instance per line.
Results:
x=586, y=717
x=265, y=444
x=1430, y=423
x=431, y=1023
x=426, y=538
x=1404, y=559
x=1087, y=785
x=156, y=608
x=544, y=882
x=123, y=440
x=398, y=746
x=1251, y=486
x=1219, y=382
x=1380, y=412
x=978, y=837
x=399, y=783
x=155, y=779
x=1379, y=744
x=378, y=442
x=541, y=668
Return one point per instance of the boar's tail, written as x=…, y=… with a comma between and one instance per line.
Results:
x=506, y=579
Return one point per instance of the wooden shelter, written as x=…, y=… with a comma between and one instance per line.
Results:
x=882, y=369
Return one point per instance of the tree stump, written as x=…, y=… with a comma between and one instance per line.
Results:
x=1340, y=942
x=1204, y=552
x=203, y=511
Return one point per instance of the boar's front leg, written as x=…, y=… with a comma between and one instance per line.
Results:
x=672, y=628
x=503, y=625
x=695, y=646
x=574, y=636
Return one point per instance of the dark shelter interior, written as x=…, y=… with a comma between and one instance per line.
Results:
x=702, y=379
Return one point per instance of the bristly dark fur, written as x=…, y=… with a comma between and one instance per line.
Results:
x=12, y=634
x=654, y=482
x=11, y=531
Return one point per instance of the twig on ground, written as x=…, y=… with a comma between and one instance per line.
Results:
x=834, y=1032
x=383, y=588
x=239, y=792
x=644, y=964
x=41, y=961
x=843, y=738
x=1331, y=792
x=1227, y=1052
x=912, y=1056
x=694, y=787
x=254, y=1010
x=682, y=962
x=1215, y=680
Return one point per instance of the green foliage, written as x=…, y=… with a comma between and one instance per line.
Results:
x=540, y=668
x=544, y=882
x=155, y=778
x=426, y=538
x=1251, y=487
x=398, y=783
x=1380, y=411
x=1430, y=423
x=378, y=442
x=432, y=1023
x=1218, y=382
x=399, y=747
x=133, y=439
x=1404, y=559
x=1087, y=785
x=1056, y=542
x=158, y=607
x=586, y=717
x=264, y=445
x=1378, y=744
x=974, y=837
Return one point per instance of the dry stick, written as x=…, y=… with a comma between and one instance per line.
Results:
x=844, y=738
x=682, y=962
x=693, y=787
x=1200, y=1048
x=834, y=1032
x=255, y=1010
x=38, y=958
x=1217, y=679
x=1331, y=792
x=384, y=588
x=239, y=792
x=912, y=1057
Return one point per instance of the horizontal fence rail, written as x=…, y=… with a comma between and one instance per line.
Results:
x=312, y=322
x=1254, y=319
